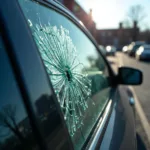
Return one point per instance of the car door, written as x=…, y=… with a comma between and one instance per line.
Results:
x=81, y=80
x=120, y=133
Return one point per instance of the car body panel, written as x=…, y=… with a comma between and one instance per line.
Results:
x=110, y=50
x=120, y=132
x=134, y=47
x=145, y=56
x=103, y=50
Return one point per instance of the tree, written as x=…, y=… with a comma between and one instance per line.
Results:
x=8, y=120
x=136, y=14
x=127, y=23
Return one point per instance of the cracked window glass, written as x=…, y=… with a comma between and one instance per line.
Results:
x=78, y=73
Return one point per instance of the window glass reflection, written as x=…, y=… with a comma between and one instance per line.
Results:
x=50, y=123
x=15, y=130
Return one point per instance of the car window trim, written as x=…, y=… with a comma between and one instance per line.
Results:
x=101, y=124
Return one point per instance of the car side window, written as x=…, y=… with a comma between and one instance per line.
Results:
x=15, y=129
x=78, y=73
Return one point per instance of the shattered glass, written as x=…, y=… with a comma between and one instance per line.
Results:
x=78, y=73
x=68, y=76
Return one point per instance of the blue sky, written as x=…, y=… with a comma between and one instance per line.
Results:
x=115, y=11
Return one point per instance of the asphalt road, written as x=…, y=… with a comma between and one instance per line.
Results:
x=142, y=92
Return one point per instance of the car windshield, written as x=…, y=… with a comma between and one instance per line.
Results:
x=136, y=47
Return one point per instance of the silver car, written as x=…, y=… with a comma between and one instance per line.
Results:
x=143, y=53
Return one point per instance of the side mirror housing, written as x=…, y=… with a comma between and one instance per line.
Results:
x=129, y=76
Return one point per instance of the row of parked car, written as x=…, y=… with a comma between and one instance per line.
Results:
x=140, y=50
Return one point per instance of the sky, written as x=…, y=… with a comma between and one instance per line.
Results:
x=108, y=13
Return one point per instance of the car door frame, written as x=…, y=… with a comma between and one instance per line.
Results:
x=9, y=29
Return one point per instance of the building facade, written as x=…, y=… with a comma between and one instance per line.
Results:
x=117, y=37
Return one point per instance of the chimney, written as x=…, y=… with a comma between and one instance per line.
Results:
x=135, y=24
x=120, y=25
x=90, y=13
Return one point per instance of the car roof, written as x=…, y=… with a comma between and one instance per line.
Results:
x=62, y=7
x=146, y=46
x=139, y=42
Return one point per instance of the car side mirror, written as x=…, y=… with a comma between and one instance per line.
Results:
x=129, y=76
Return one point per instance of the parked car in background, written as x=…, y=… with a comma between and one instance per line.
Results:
x=110, y=50
x=130, y=46
x=102, y=49
x=133, y=47
x=125, y=49
x=118, y=48
x=143, y=52
x=58, y=92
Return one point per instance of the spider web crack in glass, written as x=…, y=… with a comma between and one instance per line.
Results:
x=67, y=74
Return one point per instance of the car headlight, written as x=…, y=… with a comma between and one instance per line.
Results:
x=108, y=48
x=125, y=48
x=140, y=51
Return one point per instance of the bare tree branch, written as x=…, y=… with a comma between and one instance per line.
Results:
x=8, y=120
x=127, y=23
x=136, y=13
